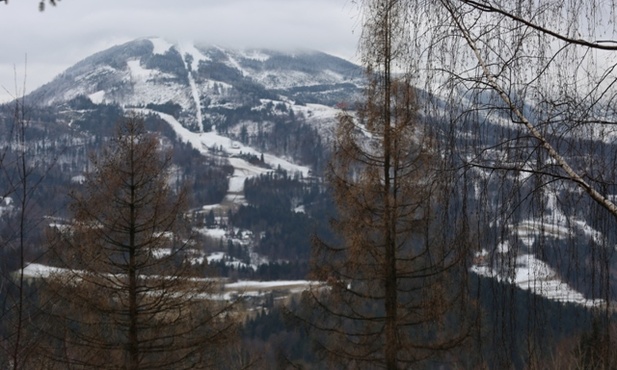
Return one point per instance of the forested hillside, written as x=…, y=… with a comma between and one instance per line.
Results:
x=448, y=204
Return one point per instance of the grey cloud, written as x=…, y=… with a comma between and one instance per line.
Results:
x=63, y=35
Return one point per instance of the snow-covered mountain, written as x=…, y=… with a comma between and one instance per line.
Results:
x=231, y=116
x=234, y=106
x=203, y=84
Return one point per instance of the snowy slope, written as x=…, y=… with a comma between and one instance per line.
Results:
x=210, y=84
x=207, y=142
x=518, y=265
x=240, y=288
x=530, y=273
x=202, y=79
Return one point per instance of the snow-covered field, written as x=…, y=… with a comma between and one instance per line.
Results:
x=248, y=287
x=526, y=270
x=237, y=289
x=530, y=273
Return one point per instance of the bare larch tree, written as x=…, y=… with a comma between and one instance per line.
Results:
x=396, y=281
x=125, y=296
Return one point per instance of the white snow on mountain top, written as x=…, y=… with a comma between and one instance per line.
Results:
x=95, y=73
x=233, y=63
x=274, y=80
x=128, y=76
x=141, y=74
x=190, y=49
x=255, y=55
x=160, y=45
x=138, y=72
x=153, y=86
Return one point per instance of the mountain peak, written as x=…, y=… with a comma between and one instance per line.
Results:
x=198, y=77
x=205, y=81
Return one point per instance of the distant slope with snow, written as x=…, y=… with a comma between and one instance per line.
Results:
x=206, y=142
x=204, y=81
x=225, y=103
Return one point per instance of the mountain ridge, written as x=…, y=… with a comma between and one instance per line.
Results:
x=202, y=79
x=255, y=99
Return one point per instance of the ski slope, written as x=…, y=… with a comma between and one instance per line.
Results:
x=208, y=143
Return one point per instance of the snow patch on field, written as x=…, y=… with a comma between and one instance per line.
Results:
x=229, y=261
x=161, y=252
x=255, y=55
x=37, y=270
x=530, y=273
x=245, y=287
x=527, y=271
x=248, y=285
x=79, y=179
x=322, y=117
x=213, y=233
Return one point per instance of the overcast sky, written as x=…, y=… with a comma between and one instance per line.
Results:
x=60, y=36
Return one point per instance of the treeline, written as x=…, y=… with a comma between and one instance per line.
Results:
x=292, y=270
x=500, y=340
x=281, y=189
x=286, y=233
x=205, y=178
x=278, y=130
x=86, y=128
x=286, y=210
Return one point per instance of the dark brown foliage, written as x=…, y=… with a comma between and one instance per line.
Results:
x=126, y=296
x=395, y=285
